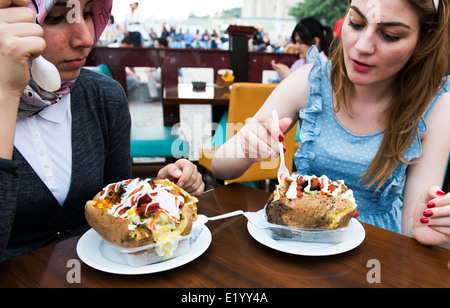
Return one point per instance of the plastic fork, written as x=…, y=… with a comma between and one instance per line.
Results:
x=202, y=219
x=283, y=172
x=256, y=218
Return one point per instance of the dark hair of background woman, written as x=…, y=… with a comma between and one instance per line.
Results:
x=309, y=28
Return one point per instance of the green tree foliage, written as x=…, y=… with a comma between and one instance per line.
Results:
x=233, y=12
x=327, y=11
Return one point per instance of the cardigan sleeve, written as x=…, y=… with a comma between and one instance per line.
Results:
x=8, y=199
x=118, y=158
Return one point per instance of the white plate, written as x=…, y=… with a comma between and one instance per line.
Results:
x=354, y=236
x=91, y=249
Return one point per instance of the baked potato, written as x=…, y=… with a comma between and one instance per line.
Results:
x=135, y=213
x=310, y=202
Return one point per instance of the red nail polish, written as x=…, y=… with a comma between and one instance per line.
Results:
x=424, y=220
x=284, y=149
x=427, y=213
x=431, y=205
x=440, y=193
x=281, y=138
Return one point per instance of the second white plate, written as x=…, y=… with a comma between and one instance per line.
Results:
x=354, y=237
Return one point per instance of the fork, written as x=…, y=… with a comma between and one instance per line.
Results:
x=283, y=172
x=202, y=219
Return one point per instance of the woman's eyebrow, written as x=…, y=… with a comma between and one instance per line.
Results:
x=382, y=24
x=354, y=8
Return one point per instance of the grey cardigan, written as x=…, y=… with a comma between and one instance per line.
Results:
x=30, y=217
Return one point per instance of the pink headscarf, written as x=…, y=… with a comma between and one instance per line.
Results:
x=101, y=10
x=34, y=98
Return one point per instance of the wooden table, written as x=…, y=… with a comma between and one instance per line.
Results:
x=184, y=93
x=234, y=259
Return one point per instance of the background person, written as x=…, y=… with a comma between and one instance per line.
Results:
x=308, y=32
x=133, y=24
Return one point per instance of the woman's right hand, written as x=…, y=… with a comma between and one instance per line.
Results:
x=21, y=40
x=260, y=136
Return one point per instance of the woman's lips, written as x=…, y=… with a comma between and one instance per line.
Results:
x=361, y=67
x=75, y=63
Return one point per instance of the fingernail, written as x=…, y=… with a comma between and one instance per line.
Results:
x=177, y=173
x=284, y=149
x=431, y=205
x=424, y=220
x=427, y=213
x=440, y=193
x=281, y=138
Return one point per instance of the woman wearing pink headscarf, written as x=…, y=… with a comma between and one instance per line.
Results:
x=58, y=149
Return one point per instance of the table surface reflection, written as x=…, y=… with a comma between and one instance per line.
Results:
x=185, y=93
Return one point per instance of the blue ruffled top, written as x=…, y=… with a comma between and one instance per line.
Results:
x=327, y=148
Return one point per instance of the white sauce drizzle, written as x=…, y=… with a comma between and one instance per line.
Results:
x=324, y=180
x=136, y=189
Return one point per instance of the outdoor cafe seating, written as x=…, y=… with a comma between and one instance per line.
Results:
x=245, y=100
x=247, y=67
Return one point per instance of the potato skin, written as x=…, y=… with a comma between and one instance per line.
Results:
x=310, y=212
x=115, y=229
x=187, y=220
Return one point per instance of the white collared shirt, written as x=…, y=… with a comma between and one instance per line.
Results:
x=133, y=21
x=45, y=140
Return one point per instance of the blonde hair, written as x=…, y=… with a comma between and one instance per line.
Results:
x=419, y=81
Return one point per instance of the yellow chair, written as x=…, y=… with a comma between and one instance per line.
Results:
x=245, y=100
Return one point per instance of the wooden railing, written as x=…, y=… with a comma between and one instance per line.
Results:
x=170, y=60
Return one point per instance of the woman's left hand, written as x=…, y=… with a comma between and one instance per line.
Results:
x=185, y=174
x=432, y=217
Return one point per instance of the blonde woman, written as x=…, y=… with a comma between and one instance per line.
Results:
x=376, y=116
